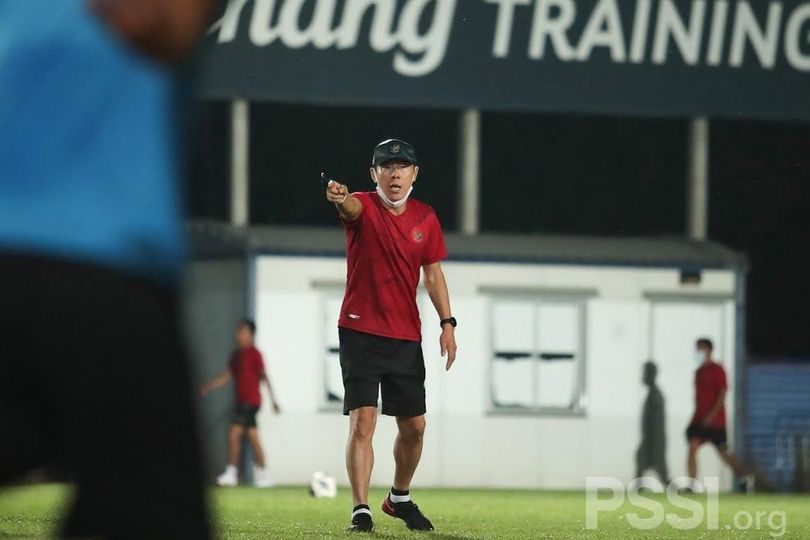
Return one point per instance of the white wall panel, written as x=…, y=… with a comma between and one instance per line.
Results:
x=466, y=445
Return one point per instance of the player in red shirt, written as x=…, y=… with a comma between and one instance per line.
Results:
x=389, y=239
x=247, y=367
x=709, y=421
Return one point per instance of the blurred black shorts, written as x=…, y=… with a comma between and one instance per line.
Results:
x=95, y=382
x=244, y=414
x=717, y=436
x=372, y=363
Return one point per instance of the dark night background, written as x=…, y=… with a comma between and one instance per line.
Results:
x=548, y=174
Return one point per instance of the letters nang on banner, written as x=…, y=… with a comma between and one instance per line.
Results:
x=706, y=33
x=271, y=21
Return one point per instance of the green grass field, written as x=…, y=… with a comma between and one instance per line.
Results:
x=288, y=512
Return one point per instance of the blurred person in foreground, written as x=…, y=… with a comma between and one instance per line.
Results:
x=94, y=378
x=390, y=239
x=246, y=367
x=708, y=423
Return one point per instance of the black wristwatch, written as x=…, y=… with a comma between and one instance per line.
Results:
x=450, y=320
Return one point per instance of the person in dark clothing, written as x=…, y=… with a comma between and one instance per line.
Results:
x=94, y=375
x=651, y=452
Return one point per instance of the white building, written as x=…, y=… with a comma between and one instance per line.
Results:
x=552, y=335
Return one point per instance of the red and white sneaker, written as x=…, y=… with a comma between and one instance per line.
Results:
x=408, y=512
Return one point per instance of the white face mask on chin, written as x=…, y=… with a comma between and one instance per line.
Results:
x=389, y=202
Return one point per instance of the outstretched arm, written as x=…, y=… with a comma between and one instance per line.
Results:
x=437, y=290
x=349, y=207
x=217, y=382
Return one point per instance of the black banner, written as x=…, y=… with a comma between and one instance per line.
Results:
x=720, y=58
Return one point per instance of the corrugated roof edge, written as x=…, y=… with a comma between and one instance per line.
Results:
x=210, y=239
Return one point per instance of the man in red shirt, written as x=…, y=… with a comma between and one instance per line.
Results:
x=389, y=239
x=709, y=421
x=247, y=367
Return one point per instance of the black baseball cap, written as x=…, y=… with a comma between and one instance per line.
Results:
x=393, y=149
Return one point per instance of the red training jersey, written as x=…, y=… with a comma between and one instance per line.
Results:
x=710, y=380
x=384, y=257
x=247, y=367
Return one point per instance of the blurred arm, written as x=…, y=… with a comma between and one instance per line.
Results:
x=266, y=380
x=715, y=408
x=217, y=382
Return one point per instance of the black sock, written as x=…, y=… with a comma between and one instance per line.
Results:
x=399, y=492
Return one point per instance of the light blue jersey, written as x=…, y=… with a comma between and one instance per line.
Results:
x=88, y=147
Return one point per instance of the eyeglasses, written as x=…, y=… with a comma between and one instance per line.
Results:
x=391, y=167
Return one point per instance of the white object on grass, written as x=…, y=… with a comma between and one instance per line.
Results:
x=323, y=486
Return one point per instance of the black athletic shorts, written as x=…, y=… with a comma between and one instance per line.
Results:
x=717, y=436
x=95, y=380
x=244, y=414
x=372, y=362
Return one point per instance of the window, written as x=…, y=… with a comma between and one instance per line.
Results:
x=538, y=362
